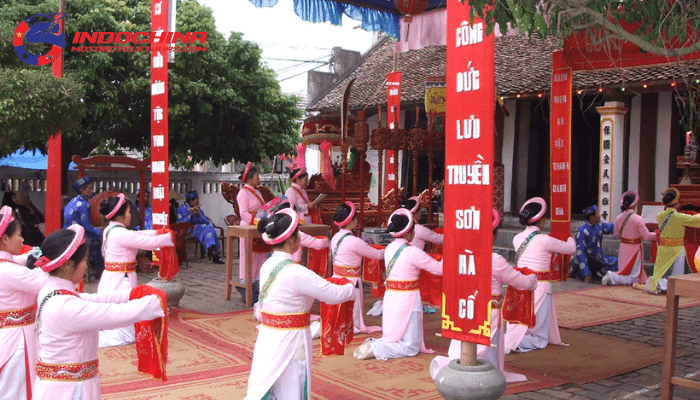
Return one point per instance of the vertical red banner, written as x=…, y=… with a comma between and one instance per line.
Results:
x=393, y=119
x=469, y=157
x=560, y=157
x=159, y=116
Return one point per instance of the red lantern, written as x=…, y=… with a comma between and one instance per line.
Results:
x=411, y=7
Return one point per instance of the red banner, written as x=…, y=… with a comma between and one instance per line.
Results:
x=469, y=157
x=586, y=50
x=560, y=156
x=393, y=120
x=159, y=117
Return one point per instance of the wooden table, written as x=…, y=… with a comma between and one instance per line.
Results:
x=686, y=286
x=248, y=233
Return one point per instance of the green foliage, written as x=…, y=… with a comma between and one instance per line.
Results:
x=34, y=105
x=669, y=28
x=223, y=103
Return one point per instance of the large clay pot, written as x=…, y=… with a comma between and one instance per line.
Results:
x=173, y=289
x=480, y=382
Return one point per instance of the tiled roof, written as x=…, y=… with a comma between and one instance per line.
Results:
x=522, y=66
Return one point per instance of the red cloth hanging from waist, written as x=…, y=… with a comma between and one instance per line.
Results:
x=337, y=326
x=167, y=256
x=431, y=285
x=152, y=336
x=519, y=305
x=318, y=260
x=373, y=272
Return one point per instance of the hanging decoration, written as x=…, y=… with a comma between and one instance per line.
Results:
x=410, y=8
x=326, y=165
x=301, y=156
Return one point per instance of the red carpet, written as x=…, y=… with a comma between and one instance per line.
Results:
x=211, y=355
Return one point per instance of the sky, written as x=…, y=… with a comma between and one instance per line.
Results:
x=280, y=33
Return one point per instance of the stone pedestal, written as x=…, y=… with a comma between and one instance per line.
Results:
x=480, y=382
x=173, y=289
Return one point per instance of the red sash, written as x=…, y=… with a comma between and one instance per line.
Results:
x=303, y=196
x=337, y=327
x=403, y=286
x=260, y=199
x=285, y=321
x=519, y=305
x=125, y=267
x=18, y=317
x=152, y=336
x=74, y=372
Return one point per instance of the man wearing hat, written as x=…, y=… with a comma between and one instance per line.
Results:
x=77, y=211
x=203, y=229
x=589, y=257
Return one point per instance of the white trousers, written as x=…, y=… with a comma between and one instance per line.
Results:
x=410, y=342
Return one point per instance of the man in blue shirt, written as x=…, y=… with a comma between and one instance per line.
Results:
x=77, y=211
x=203, y=229
x=589, y=257
x=147, y=211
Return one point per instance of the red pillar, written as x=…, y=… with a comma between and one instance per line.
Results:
x=560, y=157
x=54, y=171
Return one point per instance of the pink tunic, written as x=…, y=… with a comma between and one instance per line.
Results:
x=122, y=245
x=298, y=196
x=19, y=286
x=399, y=304
x=537, y=257
x=423, y=235
x=311, y=242
x=633, y=254
x=69, y=332
x=349, y=254
x=293, y=291
x=248, y=206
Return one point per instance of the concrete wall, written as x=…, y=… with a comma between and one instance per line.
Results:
x=344, y=60
x=208, y=184
x=318, y=82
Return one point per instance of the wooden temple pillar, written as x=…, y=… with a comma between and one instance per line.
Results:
x=361, y=137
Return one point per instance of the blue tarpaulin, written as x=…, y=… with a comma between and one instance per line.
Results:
x=374, y=15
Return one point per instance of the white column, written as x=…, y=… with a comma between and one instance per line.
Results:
x=520, y=170
x=612, y=154
x=508, y=155
x=635, y=134
x=663, y=140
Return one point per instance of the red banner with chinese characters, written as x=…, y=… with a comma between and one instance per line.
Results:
x=393, y=120
x=159, y=117
x=469, y=157
x=560, y=156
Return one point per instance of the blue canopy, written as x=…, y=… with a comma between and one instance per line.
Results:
x=25, y=159
x=375, y=15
